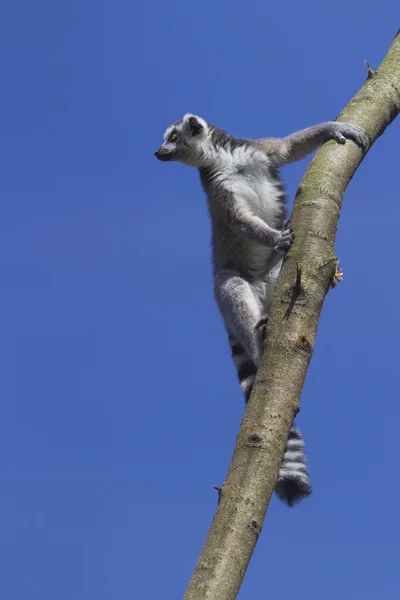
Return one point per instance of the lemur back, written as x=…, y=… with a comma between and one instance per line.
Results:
x=250, y=236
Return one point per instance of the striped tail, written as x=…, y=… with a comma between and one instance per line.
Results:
x=293, y=481
x=246, y=369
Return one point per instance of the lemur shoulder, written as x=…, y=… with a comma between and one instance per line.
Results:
x=250, y=235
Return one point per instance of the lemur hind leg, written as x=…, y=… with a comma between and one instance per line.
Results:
x=241, y=310
x=264, y=290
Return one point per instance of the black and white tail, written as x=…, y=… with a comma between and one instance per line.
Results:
x=293, y=481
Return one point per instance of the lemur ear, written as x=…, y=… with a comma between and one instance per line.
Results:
x=195, y=126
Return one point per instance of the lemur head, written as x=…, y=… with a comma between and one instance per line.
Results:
x=186, y=141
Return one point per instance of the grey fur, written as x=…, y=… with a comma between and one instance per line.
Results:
x=250, y=236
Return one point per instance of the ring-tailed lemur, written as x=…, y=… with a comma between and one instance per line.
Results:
x=246, y=202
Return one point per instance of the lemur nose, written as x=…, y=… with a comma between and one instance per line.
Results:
x=162, y=154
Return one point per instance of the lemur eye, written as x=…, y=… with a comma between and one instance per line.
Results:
x=173, y=137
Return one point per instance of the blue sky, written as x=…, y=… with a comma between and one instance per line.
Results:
x=120, y=405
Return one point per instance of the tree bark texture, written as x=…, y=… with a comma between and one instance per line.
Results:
x=306, y=277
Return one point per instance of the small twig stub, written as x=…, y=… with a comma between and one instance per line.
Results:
x=370, y=70
x=219, y=490
x=302, y=342
x=297, y=284
x=337, y=276
x=296, y=290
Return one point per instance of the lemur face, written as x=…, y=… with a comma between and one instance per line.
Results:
x=185, y=141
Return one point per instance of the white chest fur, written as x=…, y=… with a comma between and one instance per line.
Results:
x=245, y=173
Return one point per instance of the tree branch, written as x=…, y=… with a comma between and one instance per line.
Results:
x=307, y=275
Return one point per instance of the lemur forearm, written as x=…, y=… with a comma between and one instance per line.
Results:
x=298, y=145
x=249, y=226
x=253, y=229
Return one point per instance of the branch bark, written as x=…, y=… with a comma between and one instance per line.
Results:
x=292, y=329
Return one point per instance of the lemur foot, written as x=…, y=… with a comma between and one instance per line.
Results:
x=286, y=238
x=261, y=327
x=352, y=132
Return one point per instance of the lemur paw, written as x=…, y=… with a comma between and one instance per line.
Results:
x=286, y=238
x=262, y=322
x=261, y=327
x=352, y=132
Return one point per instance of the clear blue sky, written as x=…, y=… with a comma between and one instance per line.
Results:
x=119, y=402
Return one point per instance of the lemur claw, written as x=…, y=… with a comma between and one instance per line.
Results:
x=340, y=138
x=285, y=241
x=286, y=224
